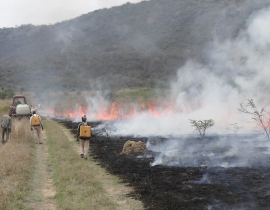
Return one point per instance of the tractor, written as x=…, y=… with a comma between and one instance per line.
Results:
x=20, y=107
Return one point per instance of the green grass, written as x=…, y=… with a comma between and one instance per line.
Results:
x=139, y=95
x=76, y=183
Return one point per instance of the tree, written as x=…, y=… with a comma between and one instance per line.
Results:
x=202, y=125
x=235, y=128
x=7, y=94
x=260, y=118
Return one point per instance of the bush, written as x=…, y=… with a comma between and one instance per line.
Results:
x=201, y=126
x=7, y=94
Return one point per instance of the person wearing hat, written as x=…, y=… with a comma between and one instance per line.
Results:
x=6, y=125
x=84, y=136
x=36, y=125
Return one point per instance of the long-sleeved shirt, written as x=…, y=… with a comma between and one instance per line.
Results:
x=6, y=121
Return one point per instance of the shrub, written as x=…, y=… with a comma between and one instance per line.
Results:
x=201, y=126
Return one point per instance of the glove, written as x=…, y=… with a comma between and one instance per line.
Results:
x=42, y=127
x=31, y=129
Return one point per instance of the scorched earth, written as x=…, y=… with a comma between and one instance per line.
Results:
x=206, y=174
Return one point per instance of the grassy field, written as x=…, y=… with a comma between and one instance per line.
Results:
x=140, y=95
x=16, y=165
x=76, y=183
x=79, y=184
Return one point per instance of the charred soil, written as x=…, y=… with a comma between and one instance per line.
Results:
x=163, y=187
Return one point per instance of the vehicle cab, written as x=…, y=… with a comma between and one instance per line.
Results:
x=21, y=101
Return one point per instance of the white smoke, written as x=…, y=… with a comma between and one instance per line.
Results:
x=237, y=70
x=225, y=151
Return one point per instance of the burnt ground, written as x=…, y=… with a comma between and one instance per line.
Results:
x=163, y=187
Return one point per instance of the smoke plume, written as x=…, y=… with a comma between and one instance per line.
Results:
x=236, y=70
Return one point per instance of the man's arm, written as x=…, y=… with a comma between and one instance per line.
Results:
x=40, y=122
x=30, y=123
x=10, y=124
x=78, y=131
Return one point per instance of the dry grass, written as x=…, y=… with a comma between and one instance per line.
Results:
x=76, y=183
x=15, y=165
x=4, y=105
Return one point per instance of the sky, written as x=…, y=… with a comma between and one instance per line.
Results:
x=42, y=12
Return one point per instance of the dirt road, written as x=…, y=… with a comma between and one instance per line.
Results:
x=43, y=191
x=42, y=188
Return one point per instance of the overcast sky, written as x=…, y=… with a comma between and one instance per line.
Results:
x=38, y=12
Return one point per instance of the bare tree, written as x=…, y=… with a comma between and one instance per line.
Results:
x=260, y=118
x=202, y=125
x=235, y=128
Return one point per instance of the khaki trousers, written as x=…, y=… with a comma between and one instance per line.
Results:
x=84, y=143
x=5, y=132
x=37, y=133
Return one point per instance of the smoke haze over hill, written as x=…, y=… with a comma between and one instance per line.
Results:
x=132, y=45
x=236, y=70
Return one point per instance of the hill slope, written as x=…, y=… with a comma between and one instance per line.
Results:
x=127, y=46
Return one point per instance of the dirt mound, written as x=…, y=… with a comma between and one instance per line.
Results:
x=133, y=147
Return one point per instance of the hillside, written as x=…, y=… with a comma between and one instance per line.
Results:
x=132, y=45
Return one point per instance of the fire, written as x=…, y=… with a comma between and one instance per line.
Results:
x=114, y=112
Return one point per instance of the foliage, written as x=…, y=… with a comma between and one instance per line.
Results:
x=133, y=45
x=7, y=94
x=202, y=125
x=260, y=118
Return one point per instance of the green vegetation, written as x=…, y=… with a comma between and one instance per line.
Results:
x=7, y=94
x=260, y=118
x=140, y=95
x=201, y=126
x=76, y=182
x=133, y=45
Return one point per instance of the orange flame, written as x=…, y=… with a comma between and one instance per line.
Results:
x=115, y=112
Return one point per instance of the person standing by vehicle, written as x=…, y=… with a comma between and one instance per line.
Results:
x=36, y=125
x=84, y=136
x=6, y=125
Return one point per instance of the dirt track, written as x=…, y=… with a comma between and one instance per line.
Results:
x=118, y=192
x=43, y=190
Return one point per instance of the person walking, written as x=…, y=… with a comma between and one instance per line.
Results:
x=36, y=125
x=6, y=125
x=84, y=136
